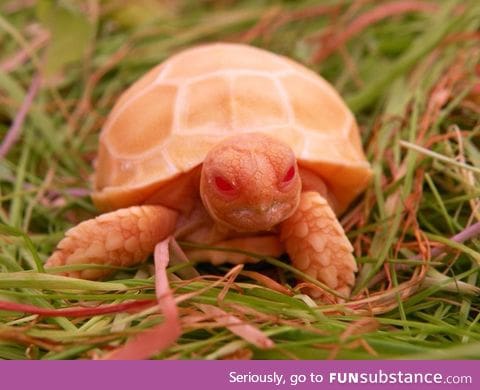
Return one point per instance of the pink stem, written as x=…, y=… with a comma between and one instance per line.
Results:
x=461, y=237
x=14, y=131
x=10, y=64
x=78, y=192
x=156, y=339
x=370, y=17
x=75, y=311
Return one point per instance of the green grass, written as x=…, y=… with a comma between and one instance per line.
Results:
x=407, y=77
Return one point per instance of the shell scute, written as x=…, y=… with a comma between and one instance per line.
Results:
x=195, y=108
x=144, y=124
x=146, y=80
x=310, y=107
x=262, y=109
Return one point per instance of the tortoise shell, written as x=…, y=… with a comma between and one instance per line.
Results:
x=167, y=121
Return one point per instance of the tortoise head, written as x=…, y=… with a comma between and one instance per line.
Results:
x=250, y=182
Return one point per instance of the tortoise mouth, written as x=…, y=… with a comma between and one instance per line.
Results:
x=264, y=217
x=253, y=219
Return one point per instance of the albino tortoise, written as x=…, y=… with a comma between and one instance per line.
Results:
x=230, y=145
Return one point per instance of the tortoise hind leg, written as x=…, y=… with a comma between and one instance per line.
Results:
x=124, y=237
x=318, y=246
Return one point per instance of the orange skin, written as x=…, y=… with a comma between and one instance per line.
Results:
x=250, y=188
x=250, y=183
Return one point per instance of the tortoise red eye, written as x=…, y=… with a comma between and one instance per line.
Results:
x=223, y=185
x=289, y=175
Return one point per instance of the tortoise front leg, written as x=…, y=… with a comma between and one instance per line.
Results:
x=123, y=237
x=318, y=246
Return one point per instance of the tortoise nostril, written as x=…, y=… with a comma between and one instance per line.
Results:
x=265, y=208
x=289, y=175
x=224, y=185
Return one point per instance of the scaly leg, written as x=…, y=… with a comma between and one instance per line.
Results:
x=318, y=246
x=123, y=237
